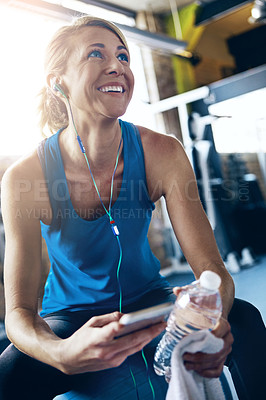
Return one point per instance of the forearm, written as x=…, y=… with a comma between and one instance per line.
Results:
x=227, y=288
x=227, y=291
x=32, y=335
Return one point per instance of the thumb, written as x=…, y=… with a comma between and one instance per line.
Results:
x=102, y=320
x=177, y=290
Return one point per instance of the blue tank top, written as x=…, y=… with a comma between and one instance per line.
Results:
x=84, y=254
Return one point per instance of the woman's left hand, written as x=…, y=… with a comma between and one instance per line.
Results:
x=211, y=365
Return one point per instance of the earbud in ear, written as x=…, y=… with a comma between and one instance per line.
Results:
x=58, y=88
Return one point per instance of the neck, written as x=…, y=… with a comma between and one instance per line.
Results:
x=100, y=141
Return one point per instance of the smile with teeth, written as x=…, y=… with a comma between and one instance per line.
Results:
x=118, y=89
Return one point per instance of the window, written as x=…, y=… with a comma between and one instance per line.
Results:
x=243, y=129
x=24, y=36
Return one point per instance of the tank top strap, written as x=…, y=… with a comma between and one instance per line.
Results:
x=41, y=155
x=55, y=178
x=134, y=152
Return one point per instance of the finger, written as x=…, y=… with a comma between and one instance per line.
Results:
x=176, y=290
x=204, y=358
x=222, y=328
x=118, y=357
x=201, y=357
x=228, y=342
x=113, y=360
x=206, y=363
x=119, y=349
x=101, y=320
x=210, y=367
x=211, y=373
x=140, y=338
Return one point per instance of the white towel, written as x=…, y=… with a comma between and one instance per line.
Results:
x=188, y=385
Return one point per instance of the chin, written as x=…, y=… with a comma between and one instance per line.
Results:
x=115, y=114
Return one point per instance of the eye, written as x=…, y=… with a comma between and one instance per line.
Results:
x=95, y=54
x=123, y=57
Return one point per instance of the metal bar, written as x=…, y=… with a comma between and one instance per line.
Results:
x=180, y=99
x=154, y=40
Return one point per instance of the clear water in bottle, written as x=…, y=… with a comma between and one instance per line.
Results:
x=198, y=306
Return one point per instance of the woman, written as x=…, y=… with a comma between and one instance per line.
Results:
x=96, y=176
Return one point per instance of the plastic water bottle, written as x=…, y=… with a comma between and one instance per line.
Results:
x=198, y=306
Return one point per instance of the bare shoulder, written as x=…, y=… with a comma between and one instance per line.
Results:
x=165, y=161
x=161, y=144
x=163, y=152
x=23, y=187
x=25, y=170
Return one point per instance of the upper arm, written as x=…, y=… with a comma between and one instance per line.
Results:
x=188, y=218
x=170, y=174
x=22, y=266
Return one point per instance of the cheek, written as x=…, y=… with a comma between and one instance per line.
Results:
x=132, y=81
x=132, y=78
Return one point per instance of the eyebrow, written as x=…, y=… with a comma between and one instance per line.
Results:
x=122, y=47
x=97, y=45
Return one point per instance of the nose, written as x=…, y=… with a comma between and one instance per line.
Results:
x=115, y=67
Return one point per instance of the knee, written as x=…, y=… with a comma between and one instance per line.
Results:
x=244, y=314
x=17, y=374
x=7, y=368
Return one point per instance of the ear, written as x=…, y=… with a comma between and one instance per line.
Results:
x=51, y=80
x=56, y=86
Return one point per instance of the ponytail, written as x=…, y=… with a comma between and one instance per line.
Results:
x=52, y=110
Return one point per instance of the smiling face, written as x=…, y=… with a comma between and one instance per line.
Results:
x=98, y=77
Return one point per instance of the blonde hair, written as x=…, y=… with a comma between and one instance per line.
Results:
x=52, y=109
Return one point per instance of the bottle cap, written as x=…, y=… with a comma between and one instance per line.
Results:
x=210, y=280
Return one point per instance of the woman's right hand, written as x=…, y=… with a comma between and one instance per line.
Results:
x=95, y=345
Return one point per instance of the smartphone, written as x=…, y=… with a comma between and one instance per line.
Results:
x=144, y=318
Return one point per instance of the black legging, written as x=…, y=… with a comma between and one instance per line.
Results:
x=24, y=378
x=247, y=360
